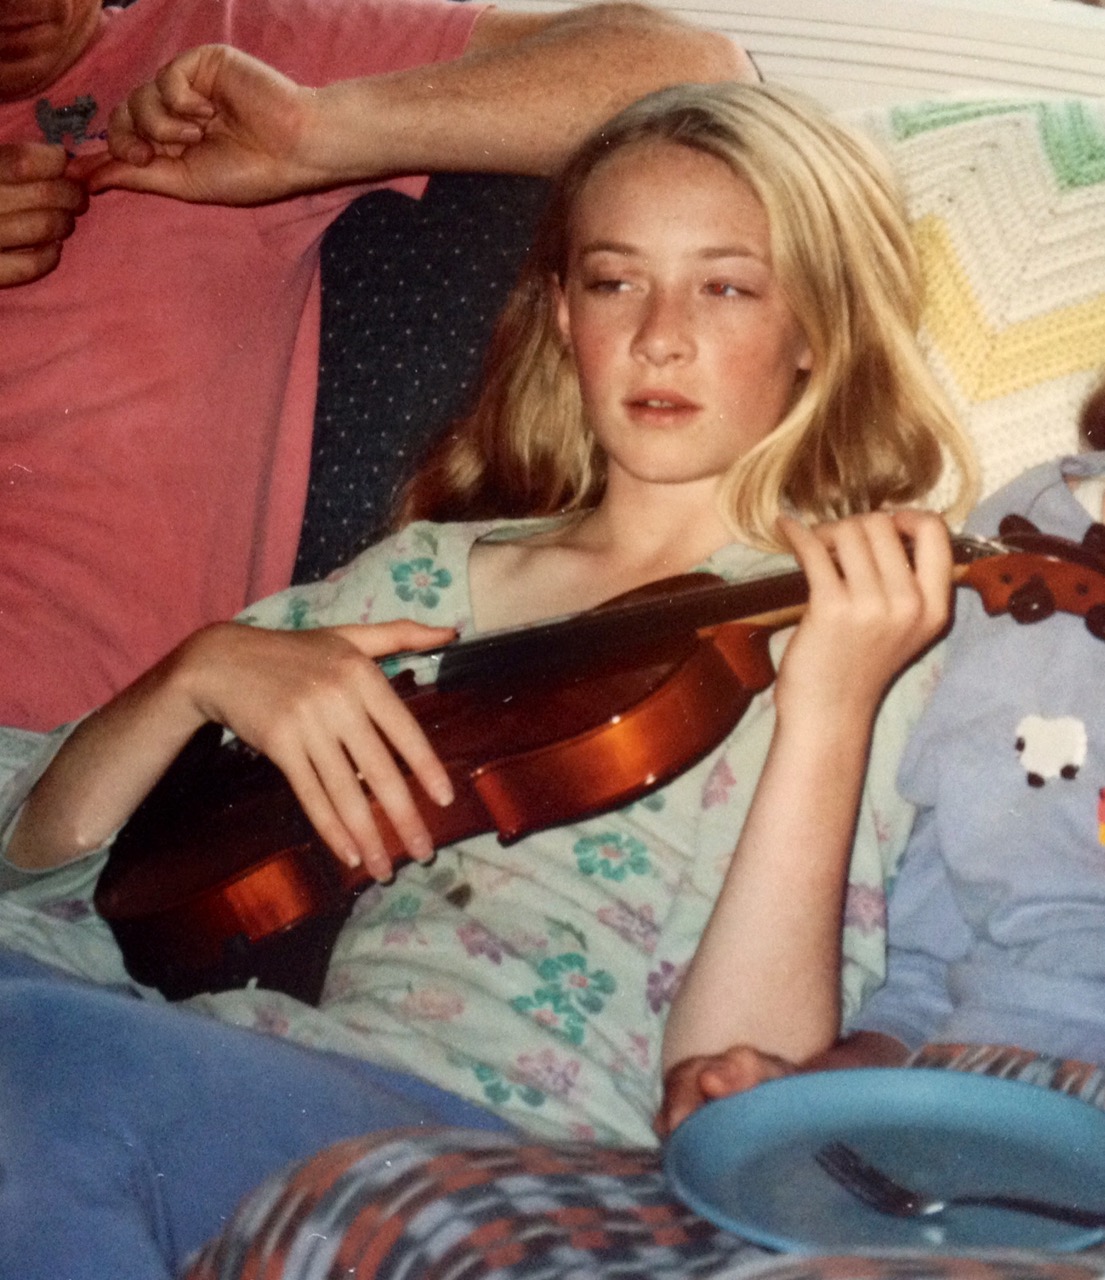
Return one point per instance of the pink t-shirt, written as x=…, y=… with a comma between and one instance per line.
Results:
x=157, y=390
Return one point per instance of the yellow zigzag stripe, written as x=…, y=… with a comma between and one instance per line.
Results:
x=987, y=362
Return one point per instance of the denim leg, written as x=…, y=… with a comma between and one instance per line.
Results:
x=129, y=1130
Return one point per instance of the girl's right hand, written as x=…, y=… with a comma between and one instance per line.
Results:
x=703, y=1078
x=318, y=705
x=873, y=607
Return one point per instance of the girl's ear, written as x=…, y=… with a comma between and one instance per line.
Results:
x=559, y=301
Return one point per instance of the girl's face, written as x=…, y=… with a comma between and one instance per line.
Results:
x=686, y=351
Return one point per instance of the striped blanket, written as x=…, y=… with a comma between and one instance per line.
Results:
x=458, y=1205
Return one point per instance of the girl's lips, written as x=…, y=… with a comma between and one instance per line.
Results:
x=651, y=394
x=660, y=404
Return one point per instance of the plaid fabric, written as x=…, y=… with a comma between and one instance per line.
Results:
x=461, y=1205
x=1082, y=1080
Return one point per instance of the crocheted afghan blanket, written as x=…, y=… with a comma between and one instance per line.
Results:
x=1007, y=200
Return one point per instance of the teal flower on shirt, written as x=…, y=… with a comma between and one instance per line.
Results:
x=297, y=614
x=569, y=994
x=612, y=856
x=499, y=1091
x=417, y=579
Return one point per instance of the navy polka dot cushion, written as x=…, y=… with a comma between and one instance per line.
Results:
x=411, y=290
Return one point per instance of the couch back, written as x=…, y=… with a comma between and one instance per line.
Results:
x=410, y=291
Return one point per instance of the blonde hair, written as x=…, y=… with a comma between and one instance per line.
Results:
x=868, y=427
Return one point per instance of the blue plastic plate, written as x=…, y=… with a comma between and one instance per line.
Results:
x=746, y=1162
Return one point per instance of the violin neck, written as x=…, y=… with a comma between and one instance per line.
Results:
x=654, y=625
x=657, y=623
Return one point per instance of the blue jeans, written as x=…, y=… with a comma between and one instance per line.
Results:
x=129, y=1131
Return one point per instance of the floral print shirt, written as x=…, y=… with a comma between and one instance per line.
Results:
x=535, y=978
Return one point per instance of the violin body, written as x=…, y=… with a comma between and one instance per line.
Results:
x=219, y=877
x=219, y=858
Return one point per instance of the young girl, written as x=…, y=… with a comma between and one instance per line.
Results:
x=711, y=347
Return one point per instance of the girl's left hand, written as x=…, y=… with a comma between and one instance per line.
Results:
x=873, y=607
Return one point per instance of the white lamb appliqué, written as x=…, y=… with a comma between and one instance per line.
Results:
x=1051, y=748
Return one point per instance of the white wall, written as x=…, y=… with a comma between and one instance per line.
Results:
x=854, y=53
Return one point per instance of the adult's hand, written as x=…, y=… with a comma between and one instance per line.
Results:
x=39, y=205
x=215, y=126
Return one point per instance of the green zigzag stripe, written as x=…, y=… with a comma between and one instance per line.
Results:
x=908, y=122
x=1071, y=132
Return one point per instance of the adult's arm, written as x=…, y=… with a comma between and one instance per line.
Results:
x=219, y=126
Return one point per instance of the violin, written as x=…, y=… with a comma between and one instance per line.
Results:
x=219, y=877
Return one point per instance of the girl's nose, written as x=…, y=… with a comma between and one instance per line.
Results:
x=665, y=331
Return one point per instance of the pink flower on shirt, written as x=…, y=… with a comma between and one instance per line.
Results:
x=719, y=784
x=433, y=1004
x=637, y=927
x=477, y=941
x=865, y=907
x=549, y=1072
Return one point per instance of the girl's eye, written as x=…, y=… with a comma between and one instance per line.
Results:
x=607, y=284
x=725, y=289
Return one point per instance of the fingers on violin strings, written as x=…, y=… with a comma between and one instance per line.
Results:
x=932, y=563
x=865, y=574
x=810, y=550
x=868, y=552
x=930, y=539
x=834, y=556
x=882, y=575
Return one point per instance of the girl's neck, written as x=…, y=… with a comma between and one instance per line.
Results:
x=624, y=543
x=671, y=526
x=646, y=540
